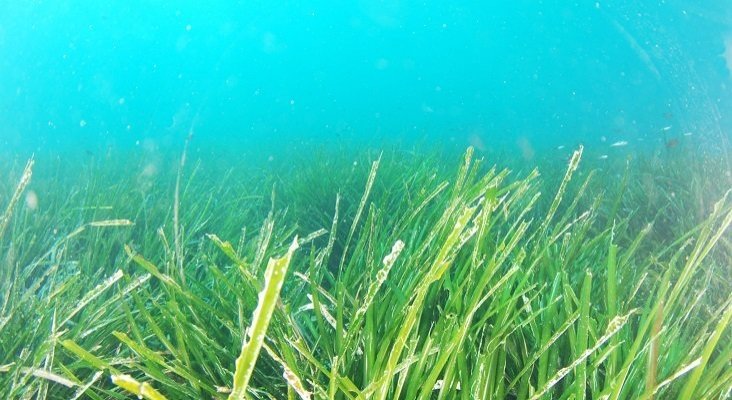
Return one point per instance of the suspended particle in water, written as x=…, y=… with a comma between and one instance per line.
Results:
x=476, y=141
x=82, y=123
x=149, y=170
x=188, y=28
x=121, y=101
x=31, y=200
x=527, y=149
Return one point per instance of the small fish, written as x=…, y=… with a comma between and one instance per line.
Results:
x=619, y=144
x=560, y=147
x=688, y=134
x=603, y=157
x=666, y=128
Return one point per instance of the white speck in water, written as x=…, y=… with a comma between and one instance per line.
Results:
x=150, y=170
x=188, y=27
x=31, y=200
x=603, y=139
x=666, y=128
x=82, y=123
x=603, y=157
x=620, y=143
x=292, y=102
x=121, y=101
x=688, y=134
x=560, y=147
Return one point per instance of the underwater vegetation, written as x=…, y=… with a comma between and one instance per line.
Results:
x=393, y=277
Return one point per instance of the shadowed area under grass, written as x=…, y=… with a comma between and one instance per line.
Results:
x=404, y=278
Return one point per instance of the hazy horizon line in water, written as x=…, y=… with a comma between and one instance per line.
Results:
x=483, y=74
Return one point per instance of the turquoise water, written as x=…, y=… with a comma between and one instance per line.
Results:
x=520, y=75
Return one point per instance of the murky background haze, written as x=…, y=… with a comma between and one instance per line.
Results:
x=88, y=75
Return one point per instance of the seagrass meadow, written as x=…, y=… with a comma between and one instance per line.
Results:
x=366, y=275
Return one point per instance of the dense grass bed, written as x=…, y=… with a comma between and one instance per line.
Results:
x=387, y=275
